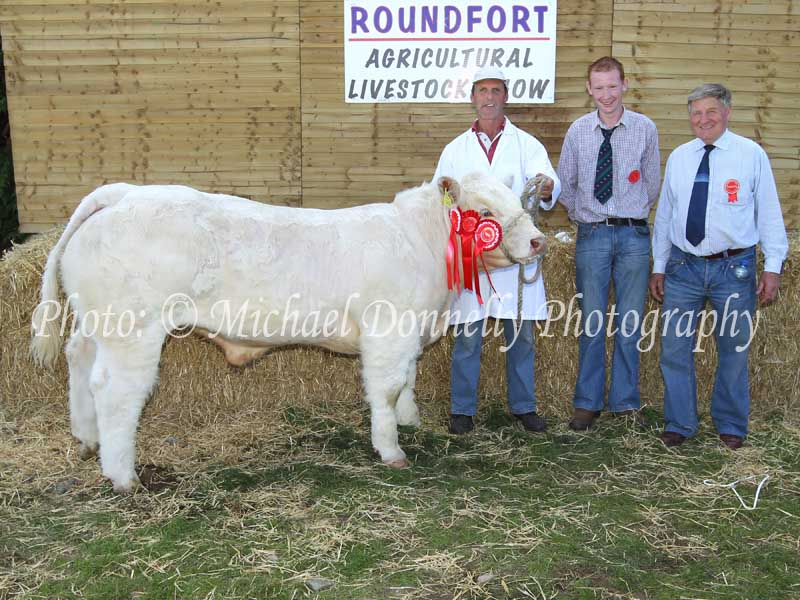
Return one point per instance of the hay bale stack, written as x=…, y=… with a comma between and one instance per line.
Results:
x=200, y=397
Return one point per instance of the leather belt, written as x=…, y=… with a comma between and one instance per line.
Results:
x=623, y=221
x=725, y=253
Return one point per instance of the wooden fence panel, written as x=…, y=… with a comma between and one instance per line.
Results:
x=752, y=48
x=151, y=92
x=247, y=96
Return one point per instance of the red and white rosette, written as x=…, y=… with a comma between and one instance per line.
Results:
x=488, y=235
x=477, y=236
x=732, y=187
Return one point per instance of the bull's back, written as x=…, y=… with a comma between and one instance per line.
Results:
x=227, y=255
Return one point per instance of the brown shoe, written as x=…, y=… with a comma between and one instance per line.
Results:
x=672, y=438
x=734, y=442
x=583, y=419
x=636, y=417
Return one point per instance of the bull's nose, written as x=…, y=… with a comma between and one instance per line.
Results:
x=538, y=245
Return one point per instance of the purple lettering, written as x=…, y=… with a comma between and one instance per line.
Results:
x=452, y=19
x=406, y=27
x=540, y=10
x=429, y=16
x=473, y=17
x=387, y=18
x=501, y=18
x=520, y=19
x=358, y=18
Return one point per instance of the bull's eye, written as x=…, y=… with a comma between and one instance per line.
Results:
x=485, y=212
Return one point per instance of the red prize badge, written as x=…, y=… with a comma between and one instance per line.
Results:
x=489, y=234
x=634, y=176
x=469, y=221
x=732, y=187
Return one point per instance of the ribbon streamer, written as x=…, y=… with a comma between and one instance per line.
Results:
x=732, y=486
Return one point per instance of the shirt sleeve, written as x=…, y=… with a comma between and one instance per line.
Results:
x=663, y=223
x=769, y=220
x=651, y=164
x=568, y=173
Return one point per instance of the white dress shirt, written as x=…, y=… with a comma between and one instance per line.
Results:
x=518, y=157
x=740, y=219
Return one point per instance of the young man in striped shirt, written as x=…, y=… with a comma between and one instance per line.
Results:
x=610, y=174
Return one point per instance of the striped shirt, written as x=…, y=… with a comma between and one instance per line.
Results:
x=637, y=168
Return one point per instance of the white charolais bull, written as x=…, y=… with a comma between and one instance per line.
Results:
x=138, y=261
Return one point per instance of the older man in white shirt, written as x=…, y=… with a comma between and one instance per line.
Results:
x=494, y=145
x=717, y=203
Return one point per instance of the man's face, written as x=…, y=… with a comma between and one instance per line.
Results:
x=606, y=89
x=489, y=99
x=709, y=119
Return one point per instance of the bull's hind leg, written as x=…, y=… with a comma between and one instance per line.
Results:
x=406, y=409
x=383, y=383
x=122, y=378
x=81, y=352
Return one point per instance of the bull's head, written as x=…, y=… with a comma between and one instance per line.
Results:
x=488, y=196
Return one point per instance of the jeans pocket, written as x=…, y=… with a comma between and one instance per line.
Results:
x=673, y=265
x=642, y=230
x=585, y=230
x=741, y=271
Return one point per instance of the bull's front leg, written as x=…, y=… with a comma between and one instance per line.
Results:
x=383, y=382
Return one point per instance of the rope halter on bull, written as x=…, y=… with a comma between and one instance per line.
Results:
x=531, y=198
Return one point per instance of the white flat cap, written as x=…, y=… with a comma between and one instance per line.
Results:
x=489, y=73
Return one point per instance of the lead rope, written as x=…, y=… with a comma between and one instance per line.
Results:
x=531, y=198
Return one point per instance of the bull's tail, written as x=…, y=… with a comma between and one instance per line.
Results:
x=45, y=330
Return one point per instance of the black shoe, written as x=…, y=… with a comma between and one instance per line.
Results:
x=582, y=419
x=460, y=424
x=672, y=439
x=532, y=422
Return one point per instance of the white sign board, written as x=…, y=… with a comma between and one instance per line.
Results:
x=428, y=50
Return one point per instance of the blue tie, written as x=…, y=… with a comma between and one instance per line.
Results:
x=696, y=217
x=604, y=173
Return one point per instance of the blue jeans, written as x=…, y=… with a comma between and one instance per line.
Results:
x=466, y=366
x=604, y=254
x=729, y=284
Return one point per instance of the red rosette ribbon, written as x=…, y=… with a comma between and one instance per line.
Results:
x=732, y=187
x=488, y=236
x=477, y=236
x=469, y=224
x=634, y=176
x=453, y=276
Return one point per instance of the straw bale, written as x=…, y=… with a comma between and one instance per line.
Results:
x=207, y=409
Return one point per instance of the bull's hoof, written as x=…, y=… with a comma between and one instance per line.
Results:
x=127, y=488
x=400, y=463
x=87, y=451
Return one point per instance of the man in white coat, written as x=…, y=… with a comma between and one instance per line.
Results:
x=494, y=145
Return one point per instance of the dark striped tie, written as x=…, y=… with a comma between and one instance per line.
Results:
x=604, y=176
x=696, y=216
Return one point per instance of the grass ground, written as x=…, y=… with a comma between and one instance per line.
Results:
x=496, y=514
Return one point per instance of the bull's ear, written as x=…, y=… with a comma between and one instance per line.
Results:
x=508, y=181
x=450, y=185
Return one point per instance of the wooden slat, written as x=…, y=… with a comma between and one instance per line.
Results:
x=247, y=96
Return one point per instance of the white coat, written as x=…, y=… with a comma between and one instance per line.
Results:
x=518, y=157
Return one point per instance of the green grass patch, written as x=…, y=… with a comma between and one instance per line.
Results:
x=499, y=513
